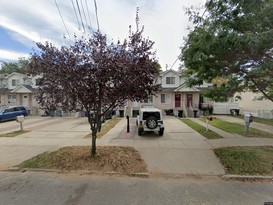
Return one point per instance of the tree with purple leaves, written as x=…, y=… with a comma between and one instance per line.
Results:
x=94, y=75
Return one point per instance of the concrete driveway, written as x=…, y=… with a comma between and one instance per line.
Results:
x=180, y=151
x=46, y=134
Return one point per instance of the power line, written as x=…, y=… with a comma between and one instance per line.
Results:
x=96, y=10
x=76, y=14
x=80, y=15
x=88, y=14
x=194, y=29
x=62, y=18
x=84, y=13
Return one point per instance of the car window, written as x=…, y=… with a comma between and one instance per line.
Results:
x=22, y=108
x=8, y=110
x=15, y=109
x=146, y=115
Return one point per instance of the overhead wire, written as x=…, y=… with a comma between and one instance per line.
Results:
x=96, y=11
x=88, y=14
x=62, y=17
x=80, y=15
x=83, y=11
x=194, y=29
x=76, y=14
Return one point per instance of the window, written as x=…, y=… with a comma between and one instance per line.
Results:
x=165, y=98
x=149, y=99
x=15, y=82
x=170, y=80
x=12, y=98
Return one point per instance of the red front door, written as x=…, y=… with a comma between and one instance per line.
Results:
x=189, y=100
x=177, y=100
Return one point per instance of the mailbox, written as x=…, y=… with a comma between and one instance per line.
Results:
x=248, y=118
x=20, y=118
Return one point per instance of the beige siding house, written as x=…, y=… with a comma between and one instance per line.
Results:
x=174, y=96
x=18, y=89
x=255, y=103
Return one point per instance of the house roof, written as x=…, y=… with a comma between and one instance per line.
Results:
x=23, y=89
x=15, y=73
x=185, y=88
x=4, y=90
x=170, y=71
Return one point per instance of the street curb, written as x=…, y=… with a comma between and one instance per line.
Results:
x=247, y=177
x=145, y=174
x=81, y=172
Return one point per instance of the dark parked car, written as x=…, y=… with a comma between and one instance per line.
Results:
x=10, y=113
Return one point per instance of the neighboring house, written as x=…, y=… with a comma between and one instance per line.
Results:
x=18, y=89
x=255, y=104
x=174, y=96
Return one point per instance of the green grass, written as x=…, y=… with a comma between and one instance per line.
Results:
x=13, y=134
x=257, y=119
x=246, y=160
x=105, y=128
x=239, y=129
x=201, y=129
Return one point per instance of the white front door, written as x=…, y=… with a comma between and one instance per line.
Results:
x=25, y=100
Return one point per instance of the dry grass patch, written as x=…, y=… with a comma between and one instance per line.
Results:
x=108, y=125
x=13, y=134
x=123, y=160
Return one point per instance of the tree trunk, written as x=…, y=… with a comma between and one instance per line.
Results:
x=93, y=146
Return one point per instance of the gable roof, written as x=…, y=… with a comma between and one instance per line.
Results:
x=23, y=89
x=18, y=74
x=185, y=88
x=170, y=71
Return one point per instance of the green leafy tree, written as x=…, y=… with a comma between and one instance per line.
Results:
x=21, y=66
x=231, y=40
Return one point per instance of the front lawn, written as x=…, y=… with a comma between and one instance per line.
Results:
x=257, y=119
x=201, y=129
x=246, y=160
x=239, y=129
x=108, y=125
x=123, y=160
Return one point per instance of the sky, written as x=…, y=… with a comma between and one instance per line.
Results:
x=24, y=23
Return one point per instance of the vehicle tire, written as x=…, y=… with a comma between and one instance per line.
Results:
x=232, y=112
x=151, y=122
x=140, y=131
x=161, y=132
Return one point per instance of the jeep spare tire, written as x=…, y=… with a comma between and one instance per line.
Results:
x=151, y=122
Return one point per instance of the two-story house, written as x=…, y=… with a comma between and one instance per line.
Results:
x=18, y=89
x=174, y=96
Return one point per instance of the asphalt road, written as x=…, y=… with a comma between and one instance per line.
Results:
x=70, y=189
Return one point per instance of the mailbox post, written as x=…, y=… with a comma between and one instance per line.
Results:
x=128, y=126
x=248, y=118
x=208, y=119
x=20, y=119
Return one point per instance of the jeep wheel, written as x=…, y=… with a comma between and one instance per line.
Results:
x=151, y=122
x=140, y=131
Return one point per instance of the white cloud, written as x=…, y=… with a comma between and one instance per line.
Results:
x=11, y=55
x=38, y=20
